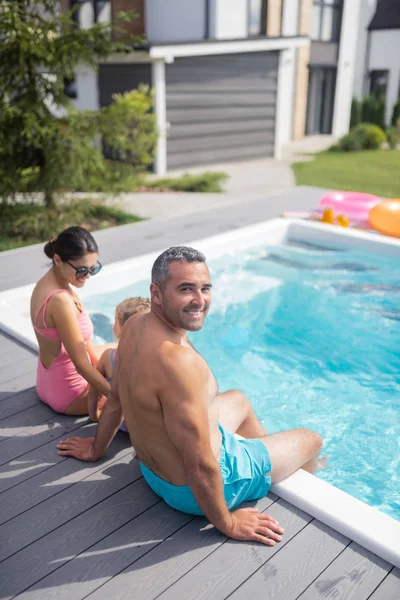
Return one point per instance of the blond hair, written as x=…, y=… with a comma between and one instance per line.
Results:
x=131, y=306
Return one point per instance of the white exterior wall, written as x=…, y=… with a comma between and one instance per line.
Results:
x=290, y=17
x=385, y=55
x=175, y=20
x=367, y=11
x=346, y=67
x=285, y=99
x=228, y=19
x=87, y=89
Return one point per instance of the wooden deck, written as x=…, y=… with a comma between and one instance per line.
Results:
x=71, y=530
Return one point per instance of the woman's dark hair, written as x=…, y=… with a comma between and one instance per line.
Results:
x=72, y=243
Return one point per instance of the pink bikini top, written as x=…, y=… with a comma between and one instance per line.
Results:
x=85, y=323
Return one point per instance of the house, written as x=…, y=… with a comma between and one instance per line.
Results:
x=378, y=52
x=231, y=77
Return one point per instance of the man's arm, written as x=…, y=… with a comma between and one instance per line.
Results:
x=186, y=419
x=92, y=449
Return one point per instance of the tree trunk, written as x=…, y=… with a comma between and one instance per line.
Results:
x=49, y=200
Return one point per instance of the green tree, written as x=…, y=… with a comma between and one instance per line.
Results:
x=355, y=114
x=46, y=145
x=396, y=114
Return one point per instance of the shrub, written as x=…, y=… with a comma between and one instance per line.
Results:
x=373, y=110
x=350, y=143
x=393, y=137
x=355, y=115
x=364, y=136
x=205, y=182
x=396, y=113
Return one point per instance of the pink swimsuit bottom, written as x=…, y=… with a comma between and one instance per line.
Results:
x=60, y=384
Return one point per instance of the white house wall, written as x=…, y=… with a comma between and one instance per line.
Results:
x=228, y=19
x=346, y=67
x=175, y=20
x=290, y=17
x=87, y=88
x=367, y=11
x=385, y=55
x=285, y=98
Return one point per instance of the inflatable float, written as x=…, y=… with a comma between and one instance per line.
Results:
x=385, y=217
x=354, y=205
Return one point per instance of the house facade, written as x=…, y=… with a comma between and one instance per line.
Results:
x=378, y=52
x=233, y=79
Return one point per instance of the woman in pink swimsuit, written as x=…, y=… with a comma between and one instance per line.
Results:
x=67, y=357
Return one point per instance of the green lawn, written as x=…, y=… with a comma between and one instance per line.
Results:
x=372, y=171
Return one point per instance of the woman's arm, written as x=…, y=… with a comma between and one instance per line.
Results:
x=94, y=396
x=62, y=310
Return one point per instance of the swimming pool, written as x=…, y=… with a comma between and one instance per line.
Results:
x=311, y=334
x=261, y=271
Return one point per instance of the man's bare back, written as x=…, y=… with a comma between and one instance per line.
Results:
x=145, y=346
x=181, y=428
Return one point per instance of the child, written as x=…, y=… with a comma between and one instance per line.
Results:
x=125, y=309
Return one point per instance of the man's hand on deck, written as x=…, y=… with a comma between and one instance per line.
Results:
x=251, y=525
x=80, y=448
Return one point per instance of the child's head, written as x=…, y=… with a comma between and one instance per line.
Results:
x=127, y=308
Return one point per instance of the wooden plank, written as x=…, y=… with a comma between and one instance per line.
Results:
x=12, y=352
x=38, y=460
x=57, y=510
x=94, y=567
x=389, y=589
x=57, y=478
x=221, y=573
x=17, y=383
x=18, y=367
x=49, y=553
x=53, y=429
x=18, y=402
x=353, y=575
x=288, y=573
x=151, y=575
x=27, y=419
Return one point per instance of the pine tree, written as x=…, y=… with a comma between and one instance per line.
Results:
x=42, y=139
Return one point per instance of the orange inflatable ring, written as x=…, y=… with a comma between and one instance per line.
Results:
x=385, y=217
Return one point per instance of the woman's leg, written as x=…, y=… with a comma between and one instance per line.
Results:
x=79, y=406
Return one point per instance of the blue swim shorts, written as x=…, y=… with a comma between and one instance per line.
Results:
x=244, y=464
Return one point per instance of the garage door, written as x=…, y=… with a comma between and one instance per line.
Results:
x=221, y=108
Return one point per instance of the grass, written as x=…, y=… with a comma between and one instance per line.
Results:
x=371, y=171
x=24, y=224
x=204, y=182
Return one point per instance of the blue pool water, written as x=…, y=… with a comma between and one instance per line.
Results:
x=312, y=336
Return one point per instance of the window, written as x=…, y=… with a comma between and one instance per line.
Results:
x=256, y=10
x=326, y=18
x=378, y=83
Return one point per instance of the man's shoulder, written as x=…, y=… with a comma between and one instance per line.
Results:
x=176, y=357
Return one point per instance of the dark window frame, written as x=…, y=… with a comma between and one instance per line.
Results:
x=375, y=73
x=263, y=19
x=328, y=5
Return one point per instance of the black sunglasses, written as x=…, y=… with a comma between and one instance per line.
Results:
x=81, y=272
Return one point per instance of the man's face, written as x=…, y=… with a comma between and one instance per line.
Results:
x=186, y=295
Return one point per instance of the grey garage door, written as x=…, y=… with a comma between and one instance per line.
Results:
x=221, y=108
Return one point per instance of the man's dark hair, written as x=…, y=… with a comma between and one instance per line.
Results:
x=160, y=270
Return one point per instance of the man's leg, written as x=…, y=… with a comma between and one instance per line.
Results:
x=237, y=415
x=289, y=450
x=292, y=450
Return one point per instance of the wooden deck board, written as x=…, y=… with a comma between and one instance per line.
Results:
x=18, y=402
x=389, y=589
x=353, y=575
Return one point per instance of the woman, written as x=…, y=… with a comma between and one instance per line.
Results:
x=63, y=329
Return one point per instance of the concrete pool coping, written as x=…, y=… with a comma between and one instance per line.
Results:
x=325, y=502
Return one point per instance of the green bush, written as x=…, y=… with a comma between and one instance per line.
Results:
x=396, y=113
x=355, y=115
x=350, y=143
x=373, y=111
x=365, y=136
x=393, y=137
x=205, y=182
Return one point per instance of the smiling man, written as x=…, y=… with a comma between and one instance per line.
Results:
x=182, y=429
